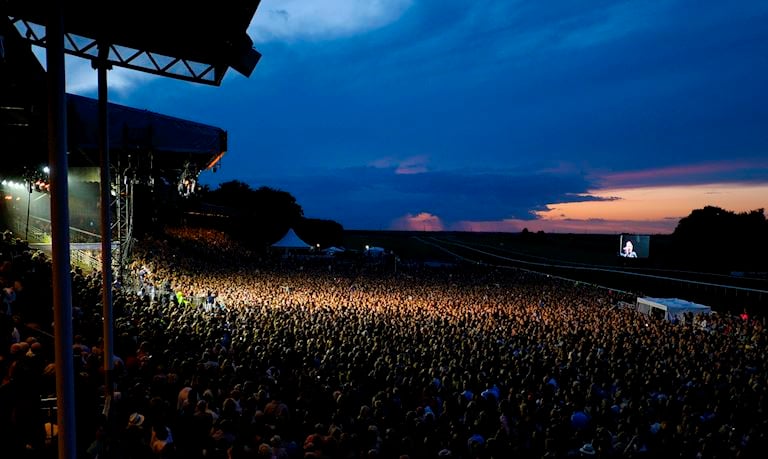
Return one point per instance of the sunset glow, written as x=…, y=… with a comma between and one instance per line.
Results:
x=419, y=222
x=659, y=203
x=595, y=117
x=694, y=173
x=654, y=210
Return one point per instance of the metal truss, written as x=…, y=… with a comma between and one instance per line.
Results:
x=122, y=56
x=122, y=223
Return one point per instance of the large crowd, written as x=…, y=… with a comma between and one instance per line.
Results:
x=221, y=356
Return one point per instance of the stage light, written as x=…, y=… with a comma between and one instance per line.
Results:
x=188, y=180
x=47, y=170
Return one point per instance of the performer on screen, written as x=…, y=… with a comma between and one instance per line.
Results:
x=629, y=250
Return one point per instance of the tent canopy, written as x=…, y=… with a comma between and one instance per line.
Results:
x=291, y=241
x=375, y=252
x=673, y=308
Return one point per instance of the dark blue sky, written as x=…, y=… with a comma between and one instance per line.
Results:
x=437, y=114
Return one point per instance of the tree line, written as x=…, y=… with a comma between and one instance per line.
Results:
x=709, y=238
x=717, y=239
x=258, y=217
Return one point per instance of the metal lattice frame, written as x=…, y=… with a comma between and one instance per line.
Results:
x=129, y=58
x=122, y=225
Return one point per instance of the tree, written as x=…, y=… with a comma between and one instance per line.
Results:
x=233, y=194
x=277, y=205
x=323, y=232
x=724, y=240
x=262, y=216
x=259, y=216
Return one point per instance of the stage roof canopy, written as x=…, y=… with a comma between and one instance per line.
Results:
x=196, y=41
x=171, y=142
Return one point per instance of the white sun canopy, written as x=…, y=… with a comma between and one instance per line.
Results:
x=673, y=308
x=291, y=241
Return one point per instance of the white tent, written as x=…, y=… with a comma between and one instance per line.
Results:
x=291, y=241
x=672, y=308
x=334, y=250
x=374, y=251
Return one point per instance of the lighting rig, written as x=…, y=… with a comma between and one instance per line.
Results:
x=188, y=180
x=31, y=180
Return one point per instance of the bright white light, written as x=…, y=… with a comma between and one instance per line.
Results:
x=47, y=170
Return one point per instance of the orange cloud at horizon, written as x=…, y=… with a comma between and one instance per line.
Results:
x=646, y=210
x=423, y=221
x=659, y=203
x=632, y=179
x=594, y=226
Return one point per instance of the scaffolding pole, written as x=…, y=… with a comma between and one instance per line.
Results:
x=106, y=227
x=62, y=284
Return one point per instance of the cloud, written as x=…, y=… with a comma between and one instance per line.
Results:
x=412, y=165
x=289, y=20
x=471, y=38
x=407, y=166
x=610, y=24
x=651, y=98
x=643, y=207
x=423, y=221
x=733, y=171
x=566, y=225
x=374, y=196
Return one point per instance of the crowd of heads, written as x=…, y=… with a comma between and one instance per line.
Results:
x=221, y=356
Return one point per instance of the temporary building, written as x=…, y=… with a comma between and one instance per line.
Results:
x=291, y=241
x=374, y=251
x=672, y=308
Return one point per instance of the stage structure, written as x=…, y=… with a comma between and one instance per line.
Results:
x=146, y=147
x=182, y=40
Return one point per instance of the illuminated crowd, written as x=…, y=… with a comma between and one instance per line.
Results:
x=223, y=356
